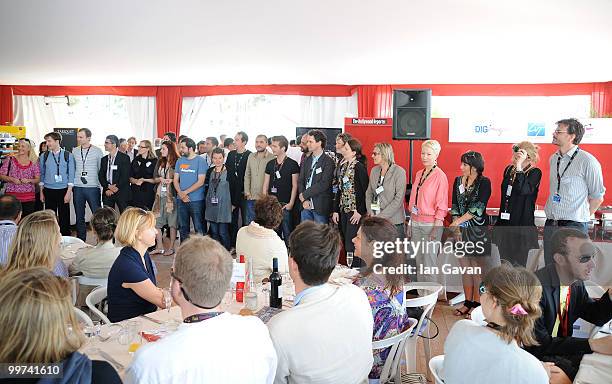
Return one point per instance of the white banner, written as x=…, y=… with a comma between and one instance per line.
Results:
x=508, y=130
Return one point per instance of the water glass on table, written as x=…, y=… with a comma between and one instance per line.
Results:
x=167, y=298
x=130, y=335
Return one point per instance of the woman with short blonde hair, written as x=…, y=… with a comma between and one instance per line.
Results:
x=39, y=326
x=37, y=244
x=132, y=282
x=21, y=173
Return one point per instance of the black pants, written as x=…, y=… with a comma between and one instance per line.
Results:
x=114, y=199
x=54, y=201
x=27, y=208
x=239, y=213
x=348, y=232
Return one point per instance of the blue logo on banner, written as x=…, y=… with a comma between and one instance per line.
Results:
x=536, y=129
x=483, y=128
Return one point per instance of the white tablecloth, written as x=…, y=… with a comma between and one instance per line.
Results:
x=596, y=368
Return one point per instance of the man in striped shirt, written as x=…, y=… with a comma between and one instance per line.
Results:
x=10, y=214
x=86, y=189
x=576, y=184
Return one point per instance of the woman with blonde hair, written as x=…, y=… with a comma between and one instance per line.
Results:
x=386, y=188
x=493, y=353
x=515, y=230
x=21, y=174
x=37, y=244
x=132, y=283
x=142, y=176
x=40, y=327
x=428, y=205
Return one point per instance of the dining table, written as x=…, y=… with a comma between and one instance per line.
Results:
x=596, y=368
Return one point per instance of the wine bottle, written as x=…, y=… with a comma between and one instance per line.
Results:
x=276, y=294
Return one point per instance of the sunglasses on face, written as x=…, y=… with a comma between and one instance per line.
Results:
x=482, y=289
x=586, y=258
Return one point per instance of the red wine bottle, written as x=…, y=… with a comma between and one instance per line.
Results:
x=276, y=294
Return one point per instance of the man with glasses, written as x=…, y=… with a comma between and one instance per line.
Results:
x=86, y=189
x=57, y=180
x=200, y=278
x=565, y=299
x=576, y=184
x=114, y=175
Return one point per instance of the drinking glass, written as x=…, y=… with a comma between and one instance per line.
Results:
x=167, y=298
x=349, y=259
x=130, y=335
x=250, y=300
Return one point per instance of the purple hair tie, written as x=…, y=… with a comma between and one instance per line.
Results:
x=518, y=310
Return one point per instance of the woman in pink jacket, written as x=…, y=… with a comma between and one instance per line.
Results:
x=428, y=206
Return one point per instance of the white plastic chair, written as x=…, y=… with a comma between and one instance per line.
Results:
x=95, y=297
x=83, y=318
x=84, y=280
x=436, y=366
x=478, y=316
x=392, y=371
x=428, y=302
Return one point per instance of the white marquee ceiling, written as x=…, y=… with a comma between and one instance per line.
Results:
x=179, y=42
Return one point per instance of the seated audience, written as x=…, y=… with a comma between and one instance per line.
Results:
x=96, y=262
x=41, y=328
x=200, y=278
x=492, y=353
x=37, y=244
x=381, y=289
x=564, y=300
x=10, y=214
x=131, y=280
x=327, y=336
x=259, y=241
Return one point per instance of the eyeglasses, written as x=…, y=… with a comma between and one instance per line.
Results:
x=586, y=258
x=559, y=131
x=173, y=275
x=376, y=153
x=142, y=146
x=482, y=289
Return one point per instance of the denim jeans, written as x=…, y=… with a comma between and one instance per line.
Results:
x=81, y=196
x=186, y=211
x=550, y=229
x=310, y=214
x=286, y=226
x=220, y=232
x=250, y=211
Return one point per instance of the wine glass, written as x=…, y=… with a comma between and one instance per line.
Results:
x=349, y=259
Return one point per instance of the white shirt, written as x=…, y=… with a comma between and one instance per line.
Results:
x=327, y=338
x=260, y=245
x=223, y=349
x=475, y=354
x=95, y=262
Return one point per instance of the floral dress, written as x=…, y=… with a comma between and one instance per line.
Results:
x=473, y=199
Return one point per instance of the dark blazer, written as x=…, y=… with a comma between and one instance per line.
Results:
x=361, y=185
x=581, y=306
x=320, y=190
x=235, y=175
x=121, y=176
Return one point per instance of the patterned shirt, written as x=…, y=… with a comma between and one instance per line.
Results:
x=23, y=192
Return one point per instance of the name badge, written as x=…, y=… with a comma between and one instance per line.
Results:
x=380, y=190
x=278, y=175
x=415, y=210
x=509, y=190
x=214, y=200
x=319, y=170
x=164, y=188
x=273, y=190
x=461, y=189
x=83, y=173
x=556, y=198
x=113, y=167
x=335, y=189
x=505, y=216
x=58, y=178
x=345, y=179
x=148, y=164
x=375, y=206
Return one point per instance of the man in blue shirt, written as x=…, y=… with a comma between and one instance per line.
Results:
x=189, y=175
x=57, y=179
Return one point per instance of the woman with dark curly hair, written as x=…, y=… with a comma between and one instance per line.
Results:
x=259, y=242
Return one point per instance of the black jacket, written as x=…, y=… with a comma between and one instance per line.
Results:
x=320, y=190
x=121, y=176
x=581, y=306
x=236, y=168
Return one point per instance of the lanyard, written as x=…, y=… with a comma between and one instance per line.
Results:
x=201, y=317
x=564, y=319
x=57, y=160
x=237, y=161
x=559, y=176
x=312, y=169
x=109, y=171
x=216, y=179
x=277, y=168
x=421, y=181
x=511, y=183
x=84, y=159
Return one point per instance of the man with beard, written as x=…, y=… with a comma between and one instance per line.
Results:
x=254, y=175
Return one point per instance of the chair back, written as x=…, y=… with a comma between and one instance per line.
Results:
x=391, y=371
x=84, y=280
x=94, y=298
x=428, y=297
x=436, y=366
x=593, y=289
x=83, y=318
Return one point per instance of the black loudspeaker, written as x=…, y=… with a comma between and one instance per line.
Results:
x=411, y=114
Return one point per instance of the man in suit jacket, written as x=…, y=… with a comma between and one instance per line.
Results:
x=565, y=299
x=331, y=324
x=315, y=182
x=114, y=175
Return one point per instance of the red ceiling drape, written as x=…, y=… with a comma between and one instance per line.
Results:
x=602, y=99
x=169, y=104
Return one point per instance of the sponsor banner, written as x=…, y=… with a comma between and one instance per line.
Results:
x=508, y=130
